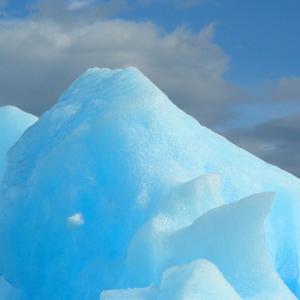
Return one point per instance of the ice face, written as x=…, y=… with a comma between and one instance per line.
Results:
x=113, y=155
x=198, y=280
x=13, y=122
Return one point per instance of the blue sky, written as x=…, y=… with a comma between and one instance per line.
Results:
x=234, y=65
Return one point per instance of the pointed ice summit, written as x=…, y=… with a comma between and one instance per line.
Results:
x=116, y=193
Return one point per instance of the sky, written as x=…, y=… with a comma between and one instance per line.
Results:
x=233, y=65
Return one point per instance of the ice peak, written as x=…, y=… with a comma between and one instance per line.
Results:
x=107, y=83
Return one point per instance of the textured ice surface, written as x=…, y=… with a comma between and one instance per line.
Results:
x=13, y=122
x=198, y=280
x=115, y=157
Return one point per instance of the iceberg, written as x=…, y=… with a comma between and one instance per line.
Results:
x=114, y=189
x=13, y=122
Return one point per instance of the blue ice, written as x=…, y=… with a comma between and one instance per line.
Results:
x=116, y=190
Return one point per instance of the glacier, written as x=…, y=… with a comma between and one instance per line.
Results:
x=116, y=193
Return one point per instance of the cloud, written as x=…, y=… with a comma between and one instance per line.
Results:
x=178, y=4
x=40, y=57
x=286, y=88
x=190, y=3
x=75, y=11
x=78, y=4
x=2, y=8
x=276, y=141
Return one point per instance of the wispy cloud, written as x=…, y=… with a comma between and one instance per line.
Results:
x=191, y=3
x=76, y=11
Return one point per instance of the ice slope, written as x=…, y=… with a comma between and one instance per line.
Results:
x=113, y=154
x=13, y=122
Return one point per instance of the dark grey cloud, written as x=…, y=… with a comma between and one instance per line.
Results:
x=276, y=141
x=40, y=57
x=178, y=4
x=286, y=88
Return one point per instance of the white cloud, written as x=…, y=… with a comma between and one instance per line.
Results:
x=39, y=58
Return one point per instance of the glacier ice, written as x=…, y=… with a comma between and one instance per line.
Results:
x=13, y=122
x=109, y=188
